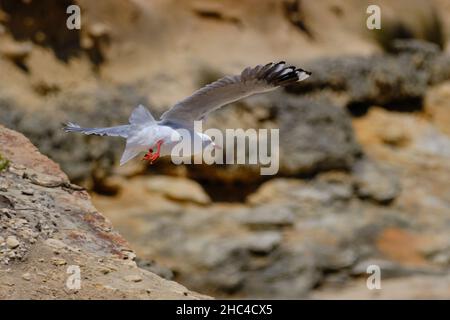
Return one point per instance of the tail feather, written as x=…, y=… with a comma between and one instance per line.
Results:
x=72, y=127
x=118, y=131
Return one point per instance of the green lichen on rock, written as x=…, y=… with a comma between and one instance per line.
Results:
x=4, y=163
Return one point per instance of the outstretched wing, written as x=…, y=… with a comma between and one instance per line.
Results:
x=232, y=88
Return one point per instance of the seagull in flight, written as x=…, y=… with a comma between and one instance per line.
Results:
x=157, y=138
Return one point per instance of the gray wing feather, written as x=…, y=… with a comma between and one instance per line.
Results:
x=141, y=116
x=118, y=131
x=261, y=78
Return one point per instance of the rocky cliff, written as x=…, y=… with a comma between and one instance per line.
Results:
x=49, y=230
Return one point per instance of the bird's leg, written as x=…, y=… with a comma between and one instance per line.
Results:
x=150, y=156
x=158, y=151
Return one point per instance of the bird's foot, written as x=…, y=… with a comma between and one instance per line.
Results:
x=152, y=157
x=148, y=155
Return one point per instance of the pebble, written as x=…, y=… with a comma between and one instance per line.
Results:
x=105, y=270
x=12, y=242
x=28, y=192
x=26, y=276
x=58, y=261
x=133, y=278
x=1, y=240
x=21, y=222
x=6, y=212
x=55, y=243
x=107, y=287
x=129, y=255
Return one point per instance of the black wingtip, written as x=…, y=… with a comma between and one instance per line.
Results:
x=287, y=75
x=305, y=71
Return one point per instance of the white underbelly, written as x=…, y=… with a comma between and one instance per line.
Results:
x=183, y=148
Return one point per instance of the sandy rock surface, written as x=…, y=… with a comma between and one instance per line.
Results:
x=49, y=225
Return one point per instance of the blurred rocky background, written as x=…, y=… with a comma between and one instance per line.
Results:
x=365, y=142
